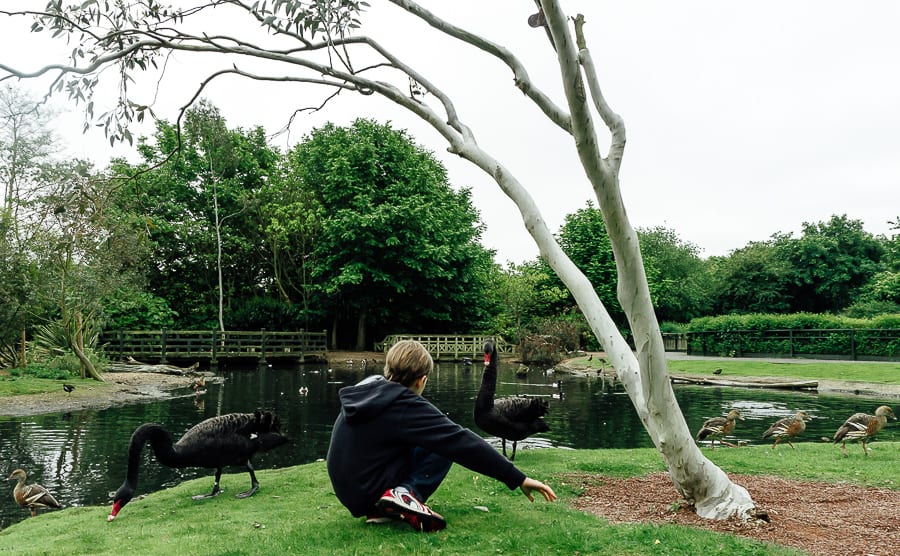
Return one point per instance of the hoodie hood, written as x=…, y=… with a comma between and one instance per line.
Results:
x=367, y=399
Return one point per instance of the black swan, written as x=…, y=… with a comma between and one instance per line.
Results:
x=217, y=442
x=514, y=418
x=34, y=497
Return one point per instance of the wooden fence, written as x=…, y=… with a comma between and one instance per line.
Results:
x=213, y=345
x=449, y=346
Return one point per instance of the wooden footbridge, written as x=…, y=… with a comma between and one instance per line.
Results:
x=163, y=346
x=449, y=346
x=212, y=345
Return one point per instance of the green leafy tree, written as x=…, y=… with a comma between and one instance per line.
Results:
x=196, y=194
x=523, y=294
x=584, y=239
x=681, y=281
x=292, y=220
x=830, y=262
x=752, y=279
x=398, y=247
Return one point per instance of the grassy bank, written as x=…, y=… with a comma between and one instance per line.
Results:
x=870, y=372
x=295, y=512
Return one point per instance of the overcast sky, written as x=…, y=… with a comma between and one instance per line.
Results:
x=743, y=119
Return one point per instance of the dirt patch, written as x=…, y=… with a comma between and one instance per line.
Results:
x=819, y=518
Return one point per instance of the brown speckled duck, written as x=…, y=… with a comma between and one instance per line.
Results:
x=718, y=428
x=787, y=428
x=862, y=426
x=34, y=497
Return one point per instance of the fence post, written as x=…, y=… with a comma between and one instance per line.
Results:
x=262, y=348
x=163, y=347
x=852, y=344
x=791, y=341
x=213, y=353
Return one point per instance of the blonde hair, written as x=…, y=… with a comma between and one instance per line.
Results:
x=406, y=362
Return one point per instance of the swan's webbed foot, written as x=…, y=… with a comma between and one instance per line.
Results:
x=247, y=494
x=215, y=492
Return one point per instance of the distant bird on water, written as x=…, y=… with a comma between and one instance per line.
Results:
x=863, y=427
x=68, y=388
x=787, y=428
x=33, y=497
x=226, y=440
x=512, y=418
x=718, y=428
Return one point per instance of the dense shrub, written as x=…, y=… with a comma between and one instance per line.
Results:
x=795, y=334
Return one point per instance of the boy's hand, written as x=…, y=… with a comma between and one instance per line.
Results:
x=530, y=485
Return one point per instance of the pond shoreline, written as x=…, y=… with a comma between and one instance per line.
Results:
x=142, y=387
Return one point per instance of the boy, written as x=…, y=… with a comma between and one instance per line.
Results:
x=391, y=448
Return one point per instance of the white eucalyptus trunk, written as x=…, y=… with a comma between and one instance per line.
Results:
x=644, y=374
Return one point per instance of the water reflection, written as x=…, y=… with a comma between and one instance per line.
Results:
x=80, y=456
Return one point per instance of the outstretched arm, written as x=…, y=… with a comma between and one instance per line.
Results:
x=530, y=485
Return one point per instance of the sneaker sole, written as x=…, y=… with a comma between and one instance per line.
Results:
x=418, y=521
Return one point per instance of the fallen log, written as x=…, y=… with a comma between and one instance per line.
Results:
x=747, y=382
x=132, y=365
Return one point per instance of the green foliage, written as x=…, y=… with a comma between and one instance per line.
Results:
x=797, y=334
x=523, y=294
x=681, y=282
x=58, y=368
x=750, y=280
x=397, y=247
x=264, y=312
x=824, y=270
x=136, y=310
x=196, y=191
x=583, y=238
x=51, y=348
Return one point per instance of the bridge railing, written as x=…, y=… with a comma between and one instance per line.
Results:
x=449, y=346
x=162, y=345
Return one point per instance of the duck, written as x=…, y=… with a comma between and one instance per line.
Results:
x=512, y=418
x=787, y=428
x=68, y=388
x=719, y=427
x=198, y=384
x=226, y=440
x=304, y=390
x=863, y=427
x=522, y=371
x=33, y=497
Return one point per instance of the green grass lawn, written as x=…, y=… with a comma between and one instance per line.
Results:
x=295, y=512
x=879, y=373
x=21, y=385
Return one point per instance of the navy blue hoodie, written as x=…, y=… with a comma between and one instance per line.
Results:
x=380, y=424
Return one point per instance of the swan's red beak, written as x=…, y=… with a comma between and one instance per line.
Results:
x=117, y=506
x=487, y=358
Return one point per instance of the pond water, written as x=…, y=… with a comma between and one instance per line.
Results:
x=81, y=456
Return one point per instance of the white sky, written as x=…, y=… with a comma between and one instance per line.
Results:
x=743, y=119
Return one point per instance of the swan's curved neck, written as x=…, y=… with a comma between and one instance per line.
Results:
x=485, y=399
x=160, y=441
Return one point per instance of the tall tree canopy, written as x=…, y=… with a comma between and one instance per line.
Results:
x=191, y=203
x=396, y=240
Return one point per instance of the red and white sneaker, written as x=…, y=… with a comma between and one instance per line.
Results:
x=405, y=507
